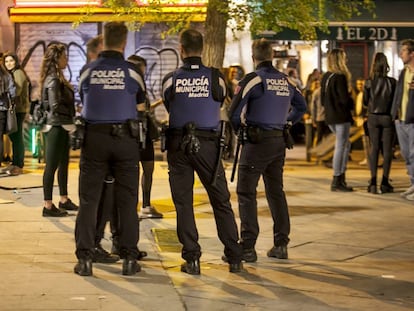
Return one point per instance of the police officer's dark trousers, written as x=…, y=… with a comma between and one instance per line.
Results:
x=181, y=176
x=266, y=158
x=103, y=152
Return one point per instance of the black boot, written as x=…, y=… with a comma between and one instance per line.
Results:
x=337, y=185
x=372, y=187
x=385, y=185
x=343, y=182
x=84, y=267
x=130, y=266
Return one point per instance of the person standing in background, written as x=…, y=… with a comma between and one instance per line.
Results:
x=403, y=112
x=336, y=98
x=93, y=48
x=58, y=99
x=318, y=113
x=21, y=100
x=7, y=93
x=378, y=95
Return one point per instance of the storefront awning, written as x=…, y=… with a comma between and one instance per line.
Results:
x=354, y=31
x=31, y=11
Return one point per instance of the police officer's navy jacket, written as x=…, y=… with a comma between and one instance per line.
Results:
x=110, y=88
x=266, y=99
x=194, y=93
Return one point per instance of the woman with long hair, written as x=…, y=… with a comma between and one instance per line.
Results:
x=7, y=94
x=336, y=98
x=378, y=95
x=21, y=100
x=57, y=97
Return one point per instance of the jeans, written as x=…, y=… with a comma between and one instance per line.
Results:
x=342, y=147
x=405, y=133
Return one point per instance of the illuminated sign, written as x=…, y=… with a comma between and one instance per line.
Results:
x=74, y=3
x=187, y=3
x=64, y=11
x=55, y=3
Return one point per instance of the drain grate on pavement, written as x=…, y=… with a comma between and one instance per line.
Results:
x=167, y=240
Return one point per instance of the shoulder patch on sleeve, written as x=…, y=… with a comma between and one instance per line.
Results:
x=137, y=77
x=254, y=80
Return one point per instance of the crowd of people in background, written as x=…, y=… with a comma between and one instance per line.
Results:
x=380, y=105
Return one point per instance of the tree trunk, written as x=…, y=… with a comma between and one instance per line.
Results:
x=215, y=34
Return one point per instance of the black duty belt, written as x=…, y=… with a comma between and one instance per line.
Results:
x=106, y=128
x=272, y=133
x=114, y=129
x=198, y=133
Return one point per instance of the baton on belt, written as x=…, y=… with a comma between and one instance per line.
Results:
x=220, y=151
x=236, y=156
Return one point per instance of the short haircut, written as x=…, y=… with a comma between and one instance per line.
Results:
x=93, y=44
x=115, y=34
x=262, y=50
x=409, y=43
x=139, y=62
x=192, y=41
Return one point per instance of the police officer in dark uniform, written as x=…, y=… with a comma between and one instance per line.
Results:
x=110, y=89
x=193, y=95
x=266, y=101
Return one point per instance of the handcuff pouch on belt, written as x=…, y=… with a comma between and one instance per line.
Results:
x=132, y=128
x=190, y=143
x=254, y=134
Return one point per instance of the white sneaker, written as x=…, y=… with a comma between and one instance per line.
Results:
x=363, y=162
x=410, y=197
x=408, y=191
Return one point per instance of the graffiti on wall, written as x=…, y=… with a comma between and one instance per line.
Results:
x=34, y=39
x=162, y=58
x=159, y=63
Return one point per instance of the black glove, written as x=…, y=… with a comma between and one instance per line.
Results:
x=76, y=137
x=289, y=141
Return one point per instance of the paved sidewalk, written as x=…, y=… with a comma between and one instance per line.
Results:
x=348, y=251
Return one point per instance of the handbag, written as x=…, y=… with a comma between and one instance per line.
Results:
x=11, y=124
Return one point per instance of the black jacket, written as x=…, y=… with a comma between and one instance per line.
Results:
x=396, y=105
x=336, y=99
x=378, y=95
x=59, y=100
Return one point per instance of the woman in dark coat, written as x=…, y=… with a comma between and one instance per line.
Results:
x=336, y=98
x=58, y=99
x=379, y=92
